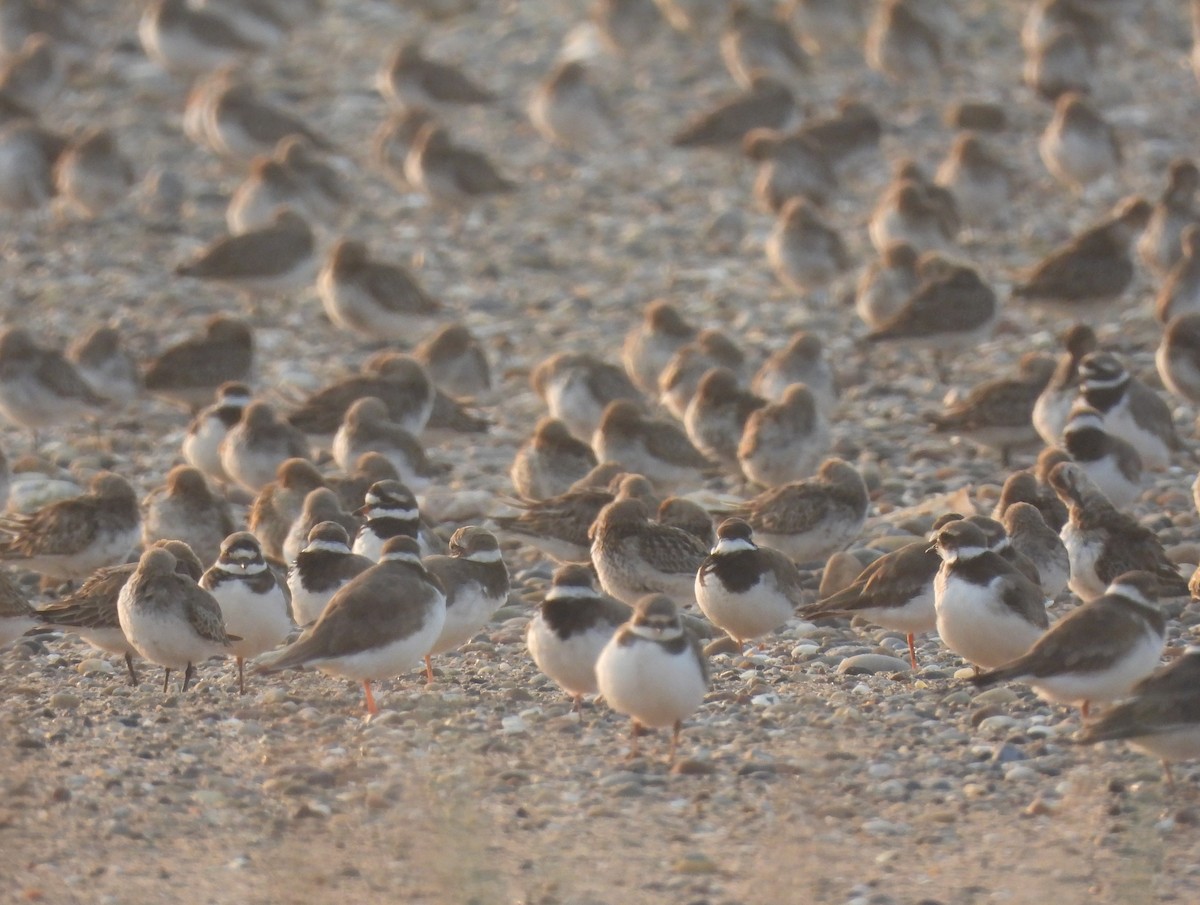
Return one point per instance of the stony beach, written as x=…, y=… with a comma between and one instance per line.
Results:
x=820, y=769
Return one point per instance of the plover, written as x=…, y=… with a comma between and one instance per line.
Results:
x=784, y=441
x=789, y=165
x=1103, y=542
x=186, y=509
x=1092, y=268
x=92, y=174
x=550, y=461
x=988, y=613
x=456, y=361
x=569, y=111
x=1178, y=357
x=101, y=359
x=679, y=379
x=16, y=615
x=1098, y=651
x=202, y=443
x=810, y=519
x=399, y=380
x=1161, y=717
x=653, y=670
x=390, y=510
x=572, y=625
x=716, y=417
x=625, y=25
x=321, y=569
x=267, y=187
x=190, y=41
x=368, y=428
x=168, y=618
x=393, y=141
x=1110, y=462
x=1054, y=404
x=188, y=372
x=996, y=538
x=979, y=180
x=454, y=416
x=254, y=606
x=451, y=174
x=895, y=591
x=351, y=488
x=907, y=211
x=886, y=284
x=802, y=360
x=378, y=625
x=951, y=308
x=325, y=191
x=653, y=447
x=831, y=25
x=766, y=103
x=320, y=505
x=1131, y=410
x=900, y=44
x=69, y=539
x=376, y=299
x=264, y=23
x=92, y=614
x=999, y=412
x=475, y=580
x=239, y=124
x=1045, y=18
x=35, y=75
x=1039, y=544
x=281, y=502
x=254, y=447
x=1024, y=487
x=577, y=387
x=746, y=590
x=634, y=556
x=754, y=41
x=1078, y=146
x=411, y=79
x=804, y=252
x=649, y=346
x=1180, y=289
x=277, y=259
x=1159, y=246
x=680, y=512
x=39, y=387
x=1062, y=64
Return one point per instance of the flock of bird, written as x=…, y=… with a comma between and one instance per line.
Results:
x=310, y=517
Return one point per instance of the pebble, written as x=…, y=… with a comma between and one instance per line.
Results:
x=870, y=664
x=840, y=571
x=64, y=700
x=95, y=666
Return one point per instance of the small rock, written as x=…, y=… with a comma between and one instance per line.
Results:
x=870, y=664
x=692, y=767
x=694, y=865
x=995, y=696
x=64, y=700
x=840, y=572
x=95, y=666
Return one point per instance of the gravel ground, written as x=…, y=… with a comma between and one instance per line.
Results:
x=797, y=782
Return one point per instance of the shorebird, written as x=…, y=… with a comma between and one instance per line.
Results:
x=550, y=461
x=35, y=74
x=1180, y=289
x=766, y=103
x=16, y=615
x=810, y=519
x=410, y=79
x=189, y=372
x=368, y=428
x=886, y=284
x=1024, y=487
x=168, y=618
x=1161, y=717
x=988, y=613
x=802, y=360
x=634, y=556
x=254, y=448
x=92, y=174
x=979, y=180
x=321, y=569
x=39, y=387
x=1078, y=146
x=1103, y=542
x=914, y=212
x=390, y=510
x=394, y=139
x=746, y=590
x=254, y=606
x=653, y=670
x=804, y=252
x=653, y=447
x=451, y=174
x=277, y=259
x=320, y=505
x=101, y=359
x=206, y=432
x=677, y=382
x=475, y=581
x=569, y=111
x=186, y=509
x=649, y=346
x=1111, y=463
x=375, y=626
x=1131, y=410
x=376, y=299
x=1064, y=63
x=1159, y=246
x=190, y=41
x=577, y=387
x=69, y=539
x=279, y=504
x=1054, y=403
x=1040, y=544
x=846, y=137
x=784, y=441
x=571, y=627
x=92, y=611
x=901, y=44
x=1178, y=357
x=1097, y=652
x=456, y=361
x=790, y=165
x=754, y=41
x=716, y=417
x=239, y=125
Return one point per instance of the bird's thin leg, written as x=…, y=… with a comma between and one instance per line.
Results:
x=187, y=676
x=428, y=670
x=166, y=679
x=241, y=662
x=578, y=708
x=1169, y=776
x=635, y=731
x=1085, y=709
x=372, y=709
x=133, y=676
x=674, y=741
x=912, y=652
